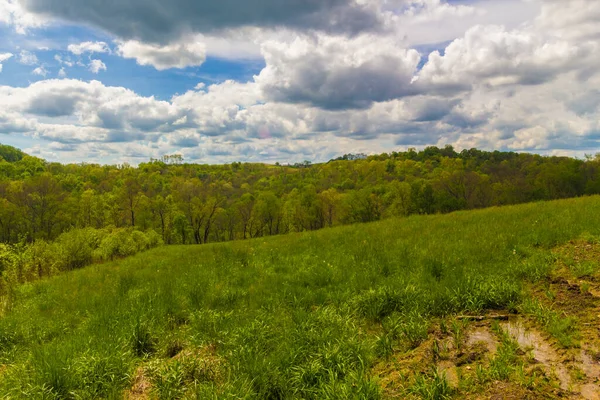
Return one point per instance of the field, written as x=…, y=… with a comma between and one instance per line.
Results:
x=495, y=303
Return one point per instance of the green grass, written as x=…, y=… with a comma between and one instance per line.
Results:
x=563, y=329
x=297, y=316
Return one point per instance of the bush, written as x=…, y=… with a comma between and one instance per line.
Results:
x=6, y=257
x=42, y=259
x=74, y=249
x=76, y=246
x=126, y=242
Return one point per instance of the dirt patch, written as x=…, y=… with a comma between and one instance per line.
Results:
x=483, y=335
x=141, y=387
x=549, y=368
x=395, y=373
x=510, y=391
x=440, y=350
x=590, y=391
x=450, y=371
x=198, y=364
x=530, y=340
x=590, y=366
x=594, y=292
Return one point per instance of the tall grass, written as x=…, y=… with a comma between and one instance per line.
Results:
x=297, y=316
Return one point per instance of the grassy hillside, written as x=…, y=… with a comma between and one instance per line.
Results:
x=377, y=310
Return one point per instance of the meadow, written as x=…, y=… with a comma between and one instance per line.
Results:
x=365, y=311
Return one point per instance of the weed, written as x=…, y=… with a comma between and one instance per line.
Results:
x=584, y=269
x=563, y=329
x=433, y=386
x=142, y=341
x=585, y=287
x=458, y=332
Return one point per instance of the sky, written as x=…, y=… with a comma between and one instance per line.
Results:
x=110, y=82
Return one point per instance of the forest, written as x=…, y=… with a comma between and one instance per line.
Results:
x=195, y=203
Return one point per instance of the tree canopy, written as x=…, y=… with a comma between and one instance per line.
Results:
x=195, y=203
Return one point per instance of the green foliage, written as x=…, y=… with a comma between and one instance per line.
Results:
x=194, y=204
x=10, y=154
x=73, y=249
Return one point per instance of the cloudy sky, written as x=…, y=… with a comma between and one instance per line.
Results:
x=292, y=80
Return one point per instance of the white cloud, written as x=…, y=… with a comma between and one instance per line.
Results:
x=491, y=55
x=27, y=58
x=13, y=14
x=62, y=73
x=4, y=57
x=113, y=110
x=62, y=61
x=573, y=19
x=41, y=71
x=88, y=47
x=426, y=22
x=336, y=72
x=232, y=121
x=189, y=51
x=96, y=66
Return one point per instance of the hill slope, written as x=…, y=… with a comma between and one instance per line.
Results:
x=398, y=308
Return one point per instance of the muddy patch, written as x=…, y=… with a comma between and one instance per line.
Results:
x=450, y=371
x=590, y=366
x=483, y=336
x=530, y=340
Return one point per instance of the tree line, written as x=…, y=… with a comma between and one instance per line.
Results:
x=194, y=203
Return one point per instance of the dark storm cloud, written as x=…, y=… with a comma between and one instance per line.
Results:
x=161, y=21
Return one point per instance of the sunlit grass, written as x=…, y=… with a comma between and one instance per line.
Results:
x=296, y=316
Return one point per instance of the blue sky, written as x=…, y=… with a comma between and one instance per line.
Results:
x=268, y=80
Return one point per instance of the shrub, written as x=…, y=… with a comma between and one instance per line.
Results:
x=76, y=246
x=74, y=249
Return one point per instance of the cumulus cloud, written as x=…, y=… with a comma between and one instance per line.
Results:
x=67, y=62
x=91, y=104
x=62, y=73
x=27, y=58
x=88, y=47
x=96, y=66
x=41, y=71
x=189, y=51
x=4, y=57
x=491, y=55
x=573, y=19
x=235, y=116
x=13, y=14
x=335, y=72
